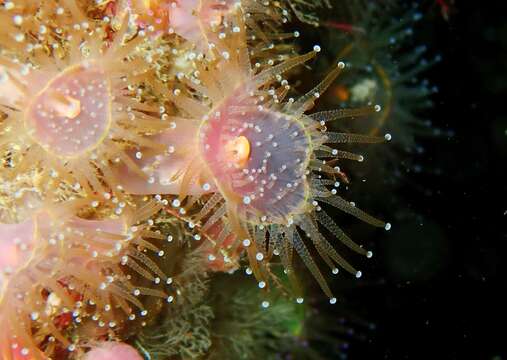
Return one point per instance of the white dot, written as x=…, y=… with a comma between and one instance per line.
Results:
x=262, y=284
x=332, y=300
x=387, y=226
x=316, y=48
x=246, y=242
x=388, y=137
x=259, y=256
x=300, y=300
x=18, y=19
x=246, y=200
x=359, y=274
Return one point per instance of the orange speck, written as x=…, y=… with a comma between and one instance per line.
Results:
x=341, y=92
x=64, y=320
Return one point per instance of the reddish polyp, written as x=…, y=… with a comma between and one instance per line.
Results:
x=72, y=114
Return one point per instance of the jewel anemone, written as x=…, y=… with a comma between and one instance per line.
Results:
x=59, y=271
x=256, y=160
x=70, y=95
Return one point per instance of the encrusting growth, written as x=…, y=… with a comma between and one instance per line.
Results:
x=269, y=165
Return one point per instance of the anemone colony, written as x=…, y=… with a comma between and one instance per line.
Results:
x=145, y=144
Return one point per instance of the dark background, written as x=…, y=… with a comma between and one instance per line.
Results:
x=435, y=289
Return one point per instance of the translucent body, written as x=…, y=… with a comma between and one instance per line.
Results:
x=164, y=171
x=72, y=114
x=265, y=175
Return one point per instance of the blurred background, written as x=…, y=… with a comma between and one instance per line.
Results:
x=435, y=288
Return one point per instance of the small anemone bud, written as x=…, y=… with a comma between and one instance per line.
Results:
x=195, y=20
x=113, y=351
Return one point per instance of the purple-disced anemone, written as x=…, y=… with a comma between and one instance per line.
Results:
x=260, y=162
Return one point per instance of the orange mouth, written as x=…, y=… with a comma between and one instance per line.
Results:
x=238, y=150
